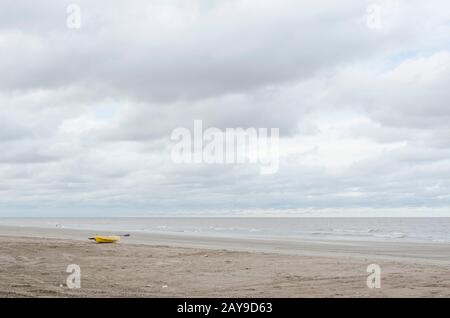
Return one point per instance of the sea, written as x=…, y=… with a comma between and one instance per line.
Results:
x=432, y=230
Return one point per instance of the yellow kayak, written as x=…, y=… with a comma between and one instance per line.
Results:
x=107, y=239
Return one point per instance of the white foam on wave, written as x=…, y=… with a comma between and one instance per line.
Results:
x=393, y=235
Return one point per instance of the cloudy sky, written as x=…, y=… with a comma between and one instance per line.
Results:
x=360, y=91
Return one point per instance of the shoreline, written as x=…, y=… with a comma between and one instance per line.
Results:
x=427, y=253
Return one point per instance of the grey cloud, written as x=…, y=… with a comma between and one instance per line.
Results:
x=220, y=51
x=85, y=115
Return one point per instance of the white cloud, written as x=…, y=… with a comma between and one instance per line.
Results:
x=86, y=115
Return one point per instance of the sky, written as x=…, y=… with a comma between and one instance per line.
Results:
x=359, y=91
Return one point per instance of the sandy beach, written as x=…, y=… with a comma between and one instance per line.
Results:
x=157, y=266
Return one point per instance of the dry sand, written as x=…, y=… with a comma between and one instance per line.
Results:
x=36, y=267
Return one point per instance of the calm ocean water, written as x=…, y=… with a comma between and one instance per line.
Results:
x=360, y=229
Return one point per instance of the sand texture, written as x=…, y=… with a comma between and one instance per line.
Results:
x=36, y=267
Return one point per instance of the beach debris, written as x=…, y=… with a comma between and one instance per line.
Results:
x=67, y=256
x=164, y=286
x=21, y=285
